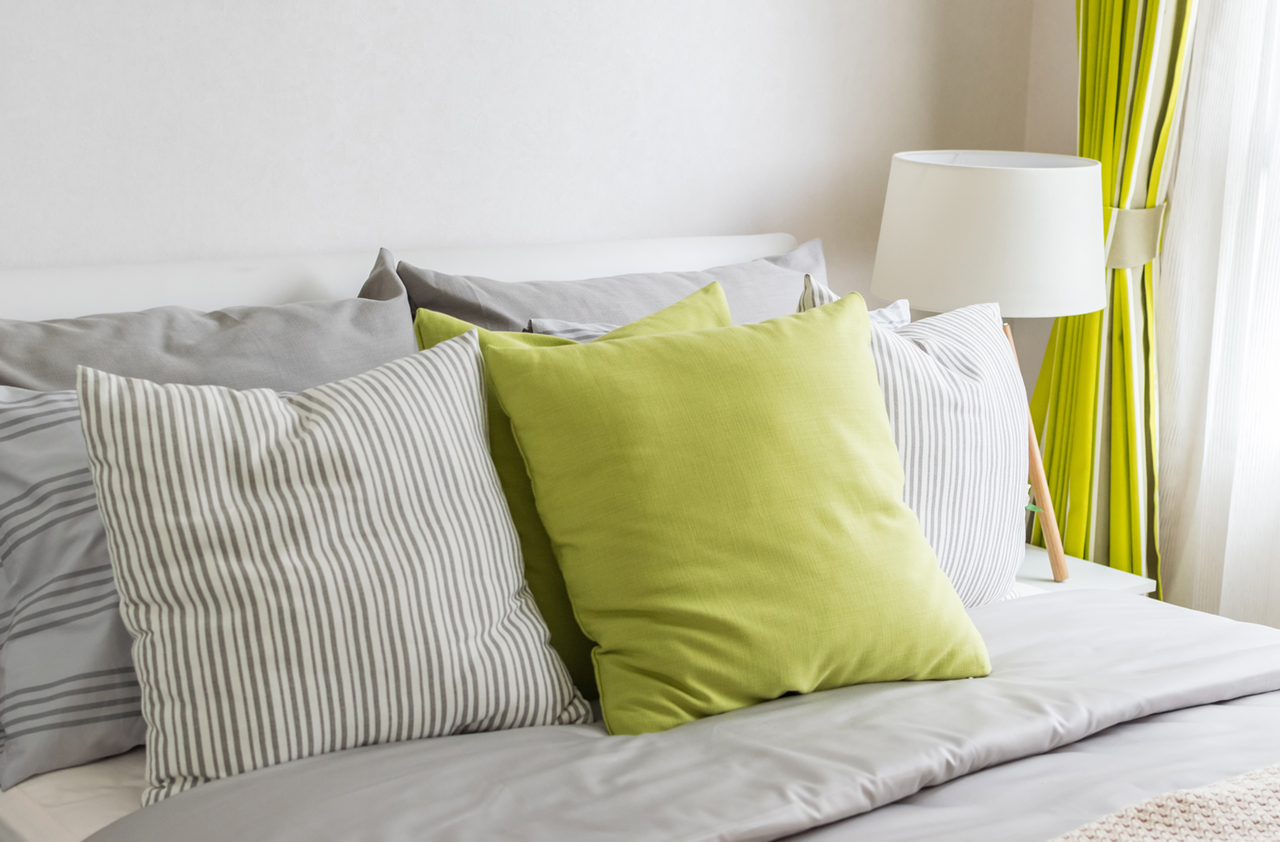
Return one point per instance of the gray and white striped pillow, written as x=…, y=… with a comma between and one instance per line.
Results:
x=68, y=694
x=816, y=294
x=958, y=409
x=316, y=572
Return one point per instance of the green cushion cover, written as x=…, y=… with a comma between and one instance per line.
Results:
x=729, y=530
x=703, y=309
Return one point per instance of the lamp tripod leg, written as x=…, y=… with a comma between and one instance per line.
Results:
x=1040, y=489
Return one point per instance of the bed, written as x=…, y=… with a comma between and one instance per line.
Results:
x=1096, y=700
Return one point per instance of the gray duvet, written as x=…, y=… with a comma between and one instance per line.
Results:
x=1065, y=666
x=1042, y=797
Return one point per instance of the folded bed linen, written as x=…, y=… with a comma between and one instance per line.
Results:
x=1066, y=666
x=69, y=805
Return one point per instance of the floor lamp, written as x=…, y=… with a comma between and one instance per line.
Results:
x=1020, y=229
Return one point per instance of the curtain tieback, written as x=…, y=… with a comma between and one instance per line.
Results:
x=1133, y=236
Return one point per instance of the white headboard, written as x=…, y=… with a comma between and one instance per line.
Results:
x=35, y=294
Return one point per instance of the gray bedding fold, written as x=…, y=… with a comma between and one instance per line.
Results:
x=1065, y=666
x=1041, y=797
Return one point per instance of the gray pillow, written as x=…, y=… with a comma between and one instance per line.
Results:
x=68, y=691
x=758, y=290
x=288, y=347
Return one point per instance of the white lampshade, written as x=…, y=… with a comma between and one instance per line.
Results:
x=1019, y=229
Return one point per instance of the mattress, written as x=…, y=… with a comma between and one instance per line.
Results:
x=70, y=804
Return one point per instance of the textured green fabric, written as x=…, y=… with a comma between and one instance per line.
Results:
x=731, y=531
x=1095, y=402
x=705, y=308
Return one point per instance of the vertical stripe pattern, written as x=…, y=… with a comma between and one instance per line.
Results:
x=316, y=572
x=958, y=407
x=1095, y=403
x=816, y=294
x=68, y=694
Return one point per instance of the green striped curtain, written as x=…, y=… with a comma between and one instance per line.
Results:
x=1094, y=403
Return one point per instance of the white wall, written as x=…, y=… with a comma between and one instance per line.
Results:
x=1052, y=79
x=150, y=129
x=154, y=130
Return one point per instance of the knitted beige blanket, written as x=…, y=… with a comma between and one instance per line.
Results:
x=1241, y=809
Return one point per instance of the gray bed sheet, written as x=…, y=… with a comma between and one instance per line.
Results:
x=1065, y=667
x=1042, y=797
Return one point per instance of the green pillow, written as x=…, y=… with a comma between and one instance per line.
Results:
x=705, y=308
x=731, y=531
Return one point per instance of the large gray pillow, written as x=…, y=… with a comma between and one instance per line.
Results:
x=758, y=290
x=288, y=347
x=68, y=691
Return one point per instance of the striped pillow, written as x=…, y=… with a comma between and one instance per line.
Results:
x=958, y=409
x=68, y=694
x=816, y=294
x=316, y=572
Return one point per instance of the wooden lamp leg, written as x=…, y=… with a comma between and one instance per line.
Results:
x=1040, y=489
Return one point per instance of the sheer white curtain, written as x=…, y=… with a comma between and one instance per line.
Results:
x=1218, y=323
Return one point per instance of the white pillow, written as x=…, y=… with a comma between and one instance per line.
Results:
x=308, y=573
x=894, y=316
x=577, y=331
x=958, y=408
